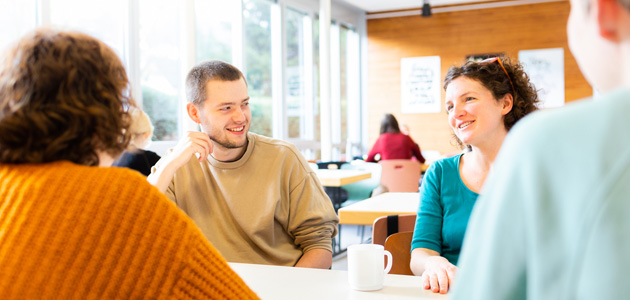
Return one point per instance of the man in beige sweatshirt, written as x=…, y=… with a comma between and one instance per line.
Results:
x=254, y=198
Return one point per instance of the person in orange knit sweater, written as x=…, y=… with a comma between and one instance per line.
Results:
x=70, y=228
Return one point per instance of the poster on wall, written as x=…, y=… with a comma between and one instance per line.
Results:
x=420, y=85
x=545, y=68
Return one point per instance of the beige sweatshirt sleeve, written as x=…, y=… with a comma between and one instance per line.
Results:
x=313, y=220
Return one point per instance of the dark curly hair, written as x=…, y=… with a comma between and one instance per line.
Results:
x=493, y=77
x=63, y=96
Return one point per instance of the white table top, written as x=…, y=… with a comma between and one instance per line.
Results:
x=277, y=283
x=366, y=211
x=329, y=177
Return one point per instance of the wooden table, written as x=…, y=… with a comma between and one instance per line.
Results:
x=338, y=178
x=335, y=179
x=278, y=283
x=366, y=211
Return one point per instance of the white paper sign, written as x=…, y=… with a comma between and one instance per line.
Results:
x=545, y=68
x=420, y=84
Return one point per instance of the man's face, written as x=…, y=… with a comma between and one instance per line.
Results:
x=225, y=114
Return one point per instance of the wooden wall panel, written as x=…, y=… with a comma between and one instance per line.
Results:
x=452, y=36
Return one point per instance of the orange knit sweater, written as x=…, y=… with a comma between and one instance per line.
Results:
x=77, y=232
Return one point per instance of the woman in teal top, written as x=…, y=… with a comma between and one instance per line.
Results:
x=483, y=101
x=444, y=217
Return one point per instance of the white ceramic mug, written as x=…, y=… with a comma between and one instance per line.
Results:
x=365, y=266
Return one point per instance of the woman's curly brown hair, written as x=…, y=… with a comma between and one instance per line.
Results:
x=492, y=77
x=62, y=97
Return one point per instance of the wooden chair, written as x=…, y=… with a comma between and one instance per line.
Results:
x=399, y=244
x=386, y=226
x=401, y=175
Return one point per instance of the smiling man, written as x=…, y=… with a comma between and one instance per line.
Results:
x=255, y=198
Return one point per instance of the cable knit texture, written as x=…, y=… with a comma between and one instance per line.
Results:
x=75, y=232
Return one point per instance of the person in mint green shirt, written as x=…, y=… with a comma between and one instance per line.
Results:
x=553, y=221
x=483, y=101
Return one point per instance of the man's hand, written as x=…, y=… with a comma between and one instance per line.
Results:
x=193, y=142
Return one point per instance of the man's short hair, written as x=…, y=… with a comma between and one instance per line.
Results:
x=205, y=71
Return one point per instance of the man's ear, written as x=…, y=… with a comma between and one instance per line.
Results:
x=508, y=102
x=193, y=112
x=608, y=19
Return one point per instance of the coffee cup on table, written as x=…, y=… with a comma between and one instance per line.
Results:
x=365, y=266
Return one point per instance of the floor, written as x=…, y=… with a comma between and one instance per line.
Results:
x=350, y=234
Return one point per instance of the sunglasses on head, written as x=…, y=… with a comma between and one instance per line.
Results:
x=493, y=59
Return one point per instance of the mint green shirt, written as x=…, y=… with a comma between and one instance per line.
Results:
x=553, y=221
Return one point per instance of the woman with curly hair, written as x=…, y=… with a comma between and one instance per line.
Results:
x=483, y=101
x=70, y=228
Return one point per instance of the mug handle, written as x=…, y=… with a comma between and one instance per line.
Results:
x=389, y=261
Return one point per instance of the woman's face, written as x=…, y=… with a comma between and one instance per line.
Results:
x=473, y=112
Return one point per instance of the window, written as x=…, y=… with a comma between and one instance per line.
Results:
x=298, y=80
x=214, y=29
x=316, y=105
x=103, y=19
x=343, y=88
x=16, y=19
x=257, y=63
x=160, y=65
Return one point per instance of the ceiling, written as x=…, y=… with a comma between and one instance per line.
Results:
x=372, y=6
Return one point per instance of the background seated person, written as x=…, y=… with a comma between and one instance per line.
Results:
x=255, y=198
x=71, y=228
x=135, y=157
x=483, y=101
x=393, y=144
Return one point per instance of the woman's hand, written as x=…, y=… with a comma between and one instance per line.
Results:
x=438, y=274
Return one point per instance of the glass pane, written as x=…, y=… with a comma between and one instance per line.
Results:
x=16, y=19
x=103, y=19
x=295, y=72
x=343, y=60
x=160, y=65
x=257, y=64
x=214, y=29
x=316, y=111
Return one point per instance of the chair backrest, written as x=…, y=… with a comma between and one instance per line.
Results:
x=388, y=225
x=400, y=175
x=399, y=245
x=362, y=190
